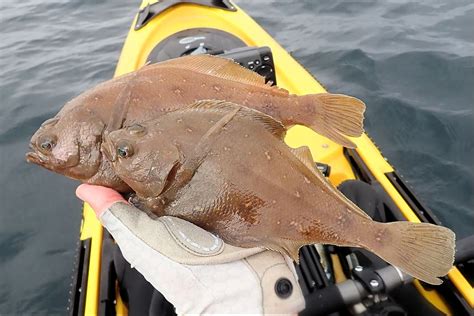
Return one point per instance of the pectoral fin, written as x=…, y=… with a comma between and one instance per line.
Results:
x=272, y=125
x=185, y=171
x=162, y=175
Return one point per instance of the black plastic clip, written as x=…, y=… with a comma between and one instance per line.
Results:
x=324, y=168
x=146, y=14
x=371, y=281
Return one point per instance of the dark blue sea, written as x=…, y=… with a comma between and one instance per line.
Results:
x=412, y=63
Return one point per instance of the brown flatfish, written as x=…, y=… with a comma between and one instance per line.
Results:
x=226, y=168
x=70, y=143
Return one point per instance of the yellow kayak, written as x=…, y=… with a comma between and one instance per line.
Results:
x=169, y=29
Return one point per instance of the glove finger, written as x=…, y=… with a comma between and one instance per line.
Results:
x=99, y=197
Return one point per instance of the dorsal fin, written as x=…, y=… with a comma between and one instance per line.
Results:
x=273, y=126
x=220, y=67
x=304, y=155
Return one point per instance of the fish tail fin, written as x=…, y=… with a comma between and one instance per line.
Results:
x=335, y=116
x=423, y=250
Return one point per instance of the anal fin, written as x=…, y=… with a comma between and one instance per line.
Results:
x=286, y=247
x=304, y=155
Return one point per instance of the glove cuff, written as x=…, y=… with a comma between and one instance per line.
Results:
x=218, y=276
x=281, y=293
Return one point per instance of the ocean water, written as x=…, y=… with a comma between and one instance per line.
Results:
x=413, y=64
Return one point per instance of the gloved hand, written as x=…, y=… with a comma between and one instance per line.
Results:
x=195, y=270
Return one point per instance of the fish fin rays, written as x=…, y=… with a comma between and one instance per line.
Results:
x=423, y=250
x=358, y=211
x=215, y=105
x=304, y=155
x=220, y=67
x=286, y=247
x=337, y=116
x=273, y=126
x=292, y=249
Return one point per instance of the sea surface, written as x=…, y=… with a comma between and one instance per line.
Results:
x=412, y=62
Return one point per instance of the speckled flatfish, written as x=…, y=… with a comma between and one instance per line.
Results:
x=70, y=143
x=226, y=168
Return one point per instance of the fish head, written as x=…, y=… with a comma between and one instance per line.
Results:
x=69, y=144
x=147, y=161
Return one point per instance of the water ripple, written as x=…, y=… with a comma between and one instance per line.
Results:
x=412, y=63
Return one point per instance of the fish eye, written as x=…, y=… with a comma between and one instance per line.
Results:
x=46, y=143
x=124, y=149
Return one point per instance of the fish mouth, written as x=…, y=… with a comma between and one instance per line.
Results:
x=33, y=157
x=37, y=157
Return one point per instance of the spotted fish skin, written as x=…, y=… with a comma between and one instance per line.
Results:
x=74, y=150
x=172, y=85
x=251, y=185
x=249, y=177
x=231, y=173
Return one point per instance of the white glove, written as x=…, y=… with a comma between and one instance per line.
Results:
x=195, y=270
